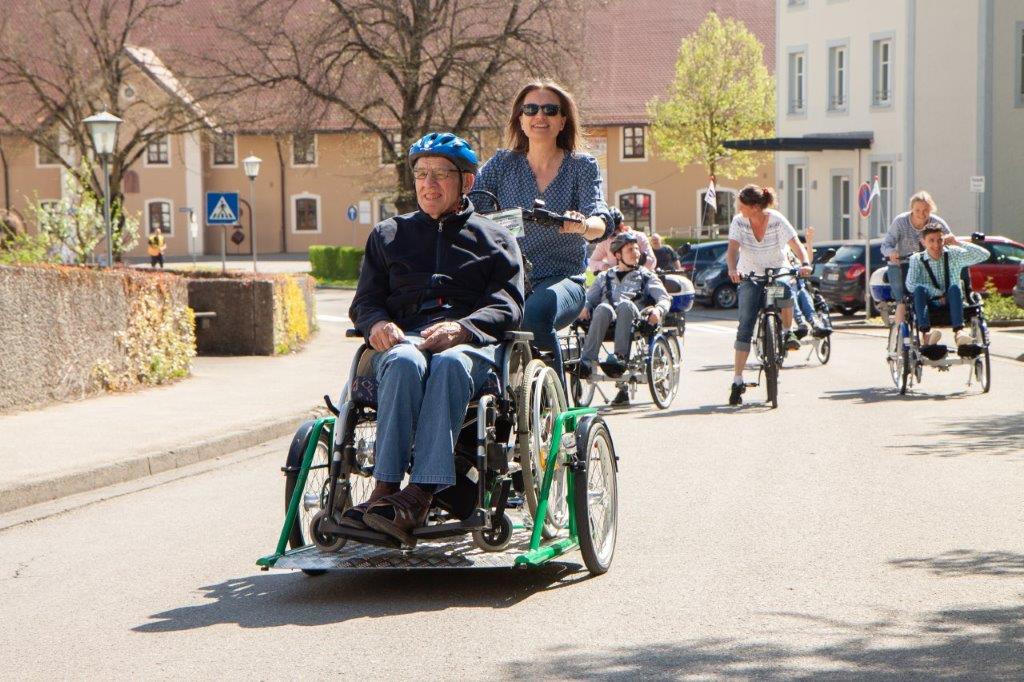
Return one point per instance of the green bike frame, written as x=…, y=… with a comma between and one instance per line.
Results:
x=538, y=554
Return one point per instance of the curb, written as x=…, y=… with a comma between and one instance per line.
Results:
x=56, y=487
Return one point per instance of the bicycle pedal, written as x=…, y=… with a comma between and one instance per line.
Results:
x=752, y=384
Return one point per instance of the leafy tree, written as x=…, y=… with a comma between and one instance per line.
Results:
x=722, y=91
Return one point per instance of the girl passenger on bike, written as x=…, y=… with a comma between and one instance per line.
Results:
x=758, y=239
x=544, y=161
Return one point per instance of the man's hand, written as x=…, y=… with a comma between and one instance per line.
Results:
x=950, y=240
x=442, y=336
x=654, y=315
x=894, y=258
x=806, y=271
x=809, y=232
x=585, y=314
x=384, y=335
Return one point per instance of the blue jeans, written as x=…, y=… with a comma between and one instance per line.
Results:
x=897, y=280
x=804, y=309
x=749, y=305
x=422, y=398
x=923, y=304
x=554, y=303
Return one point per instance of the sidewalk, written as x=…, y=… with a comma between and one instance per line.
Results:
x=229, y=403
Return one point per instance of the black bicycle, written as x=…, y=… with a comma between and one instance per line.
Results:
x=769, y=339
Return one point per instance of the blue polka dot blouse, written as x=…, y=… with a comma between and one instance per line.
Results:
x=576, y=187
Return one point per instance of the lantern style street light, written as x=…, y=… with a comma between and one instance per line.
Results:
x=103, y=131
x=251, y=164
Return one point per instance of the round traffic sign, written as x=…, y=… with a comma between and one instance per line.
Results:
x=864, y=199
x=352, y=213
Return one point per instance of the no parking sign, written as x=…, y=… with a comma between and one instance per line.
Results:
x=864, y=199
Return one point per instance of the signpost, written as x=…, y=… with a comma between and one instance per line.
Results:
x=222, y=210
x=864, y=208
x=977, y=189
x=353, y=213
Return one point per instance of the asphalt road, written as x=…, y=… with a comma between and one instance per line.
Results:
x=850, y=532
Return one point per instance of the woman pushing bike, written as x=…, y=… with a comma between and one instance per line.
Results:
x=758, y=239
x=544, y=161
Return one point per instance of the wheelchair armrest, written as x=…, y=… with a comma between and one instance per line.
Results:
x=519, y=336
x=353, y=334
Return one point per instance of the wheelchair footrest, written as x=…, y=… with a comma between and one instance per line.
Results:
x=460, y=552
x=969, y=351
x=934, y=353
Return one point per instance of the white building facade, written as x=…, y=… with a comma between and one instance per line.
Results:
x=939, y=87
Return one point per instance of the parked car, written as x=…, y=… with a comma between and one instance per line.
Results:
x=823, y=253
x=1018, y=291
x=712, y=286
x=695, y=257
x=844, y=276
x=1003, y=265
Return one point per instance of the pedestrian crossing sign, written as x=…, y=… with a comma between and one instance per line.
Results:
x=221, y=208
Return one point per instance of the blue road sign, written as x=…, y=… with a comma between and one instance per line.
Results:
x=352, y=213
x=221, y=208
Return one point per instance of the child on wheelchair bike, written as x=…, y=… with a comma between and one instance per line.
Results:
x=437, y=292
x=933, y=280
x=613, y=297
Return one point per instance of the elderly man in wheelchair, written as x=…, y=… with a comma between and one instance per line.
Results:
x=613, y=298
x=438, y=291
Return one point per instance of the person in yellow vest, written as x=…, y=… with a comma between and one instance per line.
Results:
x=157, y=246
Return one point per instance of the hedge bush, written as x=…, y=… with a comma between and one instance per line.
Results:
x=335, y=262
x=676, y=242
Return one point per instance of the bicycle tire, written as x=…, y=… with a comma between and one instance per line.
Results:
x=771, y=367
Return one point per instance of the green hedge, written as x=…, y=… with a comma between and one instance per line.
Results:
x=335, y=262
x=676, y=242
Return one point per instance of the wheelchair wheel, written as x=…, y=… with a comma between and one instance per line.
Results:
x=540, y=398
x=662, y=372
x=495, y=540
x=983, y=371
x=596, y=495
x=314, y=493
x=581, y=392
x=823, y=350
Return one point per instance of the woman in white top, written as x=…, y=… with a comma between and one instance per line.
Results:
x=758, y=239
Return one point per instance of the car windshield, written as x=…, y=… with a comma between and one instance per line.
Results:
x=823, y=254
x=848, y=254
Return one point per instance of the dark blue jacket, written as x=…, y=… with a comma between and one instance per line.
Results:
x=418, y=271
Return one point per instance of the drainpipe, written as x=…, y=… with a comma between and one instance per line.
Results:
x=7, y=178
x=284, y=200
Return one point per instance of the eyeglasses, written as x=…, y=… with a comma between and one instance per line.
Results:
x=435, y=174
x=548, y=109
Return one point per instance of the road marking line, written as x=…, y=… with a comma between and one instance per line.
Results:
x=709, y=328
x=333, y=318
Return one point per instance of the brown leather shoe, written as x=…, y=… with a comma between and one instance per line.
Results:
x=399, y=514
x=353, y=516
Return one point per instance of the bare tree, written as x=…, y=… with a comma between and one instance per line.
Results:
x=64, y=60
x=400, y=68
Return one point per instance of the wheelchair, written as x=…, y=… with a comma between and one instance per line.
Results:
x=818, y=342
x=655, y=352
x=907, y=358
x=517, y=433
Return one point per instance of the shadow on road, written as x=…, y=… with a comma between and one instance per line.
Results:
x=995, y=434
x=721, y=408
x=961, y=563
x=877, y=394
x=291, y=598
x=951, y=644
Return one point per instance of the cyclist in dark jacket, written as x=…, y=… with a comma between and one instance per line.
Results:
x=437, y=292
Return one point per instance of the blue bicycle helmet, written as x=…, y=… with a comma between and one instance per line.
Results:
x=448, y=145
x=620, y=240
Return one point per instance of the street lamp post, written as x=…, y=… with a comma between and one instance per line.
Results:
x=103, y=130
x=252, y=169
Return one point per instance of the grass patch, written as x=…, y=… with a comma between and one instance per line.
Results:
x=336, y=283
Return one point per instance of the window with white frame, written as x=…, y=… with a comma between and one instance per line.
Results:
x=224, y=149
x=158, y=151
x=881, y=58
x=633, y=146
x=158, y=216
x=842, y=210
x=881, y=212
x=46, y=152
x=838, y=78
x=385, y=209
x=49, y=205
x=797, y=82
x=796, y=3
x=725, y=207
x=306, y=212
x=636, y=210
x=304, y=149
x=393, y=152
x=796, y=201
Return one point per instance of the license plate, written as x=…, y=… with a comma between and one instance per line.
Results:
x=511, y=220
x=775, y=291
x=832, y=276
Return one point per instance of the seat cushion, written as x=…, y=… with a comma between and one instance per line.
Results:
x=364, y=389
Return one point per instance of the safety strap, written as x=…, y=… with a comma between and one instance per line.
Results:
x=945, y=267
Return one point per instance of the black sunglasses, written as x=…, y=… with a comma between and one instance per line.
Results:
x=548, y=109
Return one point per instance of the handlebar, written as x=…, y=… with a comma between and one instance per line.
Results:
x=542, y=216
x=770, y=275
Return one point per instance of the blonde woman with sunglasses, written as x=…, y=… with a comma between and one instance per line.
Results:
x=544, y=161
